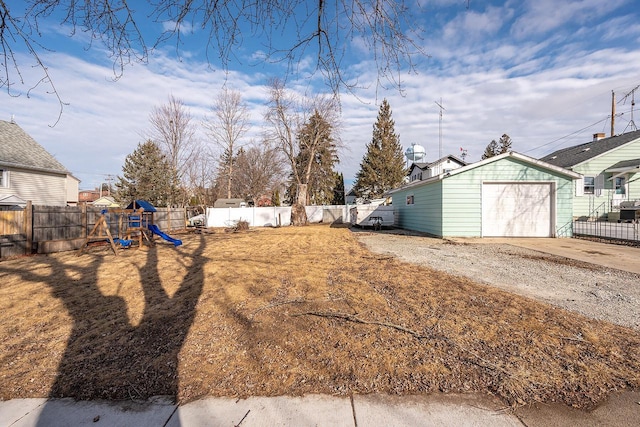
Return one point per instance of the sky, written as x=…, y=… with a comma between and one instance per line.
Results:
x=541, y=71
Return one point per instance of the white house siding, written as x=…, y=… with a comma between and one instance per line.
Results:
x=72, y=184
x=40, y=187
x=440, y=167
x=587, y=204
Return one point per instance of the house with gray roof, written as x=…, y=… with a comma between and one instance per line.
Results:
x=29, y=173
x=420, y=171
x=610, y=169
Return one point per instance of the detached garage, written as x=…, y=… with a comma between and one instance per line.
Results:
x=510, y=195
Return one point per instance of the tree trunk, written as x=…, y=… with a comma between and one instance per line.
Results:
x=301, y=194
x=298, y=215
x=298, y=211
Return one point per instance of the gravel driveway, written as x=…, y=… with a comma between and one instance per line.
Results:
x=597, y=292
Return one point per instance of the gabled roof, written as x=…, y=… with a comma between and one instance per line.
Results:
x=450, y=156
x=425, y=166
x=18, y=149
x=421, y=166
x=511, y=154
x=105, y=201
x=572, y=156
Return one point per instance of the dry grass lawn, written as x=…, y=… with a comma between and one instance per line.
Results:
x=289, y=311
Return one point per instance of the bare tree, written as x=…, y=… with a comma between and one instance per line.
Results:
x=199, y=177
x=227, y=126
x=318, y=28
x=286, y=116
x=259, y=172
x=173, y=131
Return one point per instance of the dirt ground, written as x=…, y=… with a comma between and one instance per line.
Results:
x=289, y=311
x=528, y=267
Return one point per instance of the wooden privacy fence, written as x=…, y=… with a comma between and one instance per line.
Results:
x=47, y=229
x=12, y=237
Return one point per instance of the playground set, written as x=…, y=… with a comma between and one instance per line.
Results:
x=134, y=224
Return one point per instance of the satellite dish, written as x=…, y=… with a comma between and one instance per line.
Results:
x=415, y=153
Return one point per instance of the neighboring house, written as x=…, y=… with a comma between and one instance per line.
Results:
x=507, y=195
x=29, y=172
x=72, y=190
x=610, y=169
x=422, y=171
x=105, y=202
x=350, y=198
x=88, y=196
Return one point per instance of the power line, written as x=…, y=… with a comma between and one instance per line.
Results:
x=567, y=136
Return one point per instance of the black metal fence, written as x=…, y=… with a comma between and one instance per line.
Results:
x=624, y=232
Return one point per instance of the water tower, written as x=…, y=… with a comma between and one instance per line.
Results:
x=416, y=153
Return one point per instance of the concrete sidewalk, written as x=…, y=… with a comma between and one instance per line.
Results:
x=621, y=409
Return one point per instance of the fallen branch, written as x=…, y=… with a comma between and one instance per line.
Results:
x=352, y=318
x=479, y=361
x=277, y=304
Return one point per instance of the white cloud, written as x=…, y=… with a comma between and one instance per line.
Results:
x=543, y=16
x=534, y=90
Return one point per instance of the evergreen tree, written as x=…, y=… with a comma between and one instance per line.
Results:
x=504, y=144
x=147, y=175
x=382, y=167
x=494, y=148
x=316, y=159
x=491, y=150
x=338, y=190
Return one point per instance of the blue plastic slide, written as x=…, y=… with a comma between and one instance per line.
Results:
x=155, y=230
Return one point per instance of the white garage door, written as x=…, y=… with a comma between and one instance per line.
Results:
x=517, y=209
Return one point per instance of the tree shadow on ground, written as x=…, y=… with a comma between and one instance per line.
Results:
x=107, y=357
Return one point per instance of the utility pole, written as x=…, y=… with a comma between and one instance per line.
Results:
x=613, y=112
x=109, y=179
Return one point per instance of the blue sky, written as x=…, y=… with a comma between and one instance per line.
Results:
x=541, y=71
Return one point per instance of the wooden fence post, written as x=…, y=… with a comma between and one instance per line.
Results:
x=28, y=227
x=83, y=220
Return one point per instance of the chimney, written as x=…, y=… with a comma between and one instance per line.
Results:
x=598, y=136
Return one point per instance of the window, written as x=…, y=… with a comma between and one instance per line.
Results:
x=589, y=185
x=4, y=178
x=620, y=185
x=410, y=199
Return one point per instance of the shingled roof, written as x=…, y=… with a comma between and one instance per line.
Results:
x=571, y=156
x=18, y=149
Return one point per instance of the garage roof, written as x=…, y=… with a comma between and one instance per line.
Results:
x=511, y=154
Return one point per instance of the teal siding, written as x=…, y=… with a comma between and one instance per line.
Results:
x=452, y=207
x=587, y=204
x=425, y=214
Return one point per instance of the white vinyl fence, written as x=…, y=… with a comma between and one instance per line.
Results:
x=274, y=216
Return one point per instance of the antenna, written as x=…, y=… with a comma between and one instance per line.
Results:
x=463, y=153
x=633, y=103
x=440, y=128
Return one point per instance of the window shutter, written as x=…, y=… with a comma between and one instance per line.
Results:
x=579, y=186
